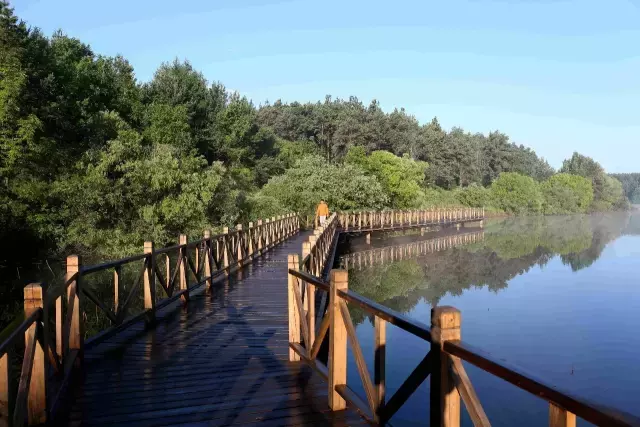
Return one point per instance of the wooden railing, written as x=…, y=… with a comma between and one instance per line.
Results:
x=175, y=271
x=395, y=219
x=378, y=256
x=319, y=246
x=449, y=381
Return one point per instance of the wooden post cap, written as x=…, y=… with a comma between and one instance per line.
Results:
x=445, y=317
x=239, y=227
x=33, y=294
x=73, y=262
x=340, y=278
x=207, y=234
x=148, y=247
x=225, y=230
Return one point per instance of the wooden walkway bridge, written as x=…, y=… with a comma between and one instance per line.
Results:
x=234, y=341
x=221, y=359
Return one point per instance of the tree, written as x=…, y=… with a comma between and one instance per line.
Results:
x=607, y=191
x=130, y=192
x=564, y=193
x=344, y=187
x=400, y=177
x=515, y=193
x=178, y=84
x=630, y=184
x=474, y=195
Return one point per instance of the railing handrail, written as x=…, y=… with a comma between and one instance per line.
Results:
x=369, y=220
x=16, y=328
x=309, y=278
x=87, y=269
x=444, y=336
x=589, y=411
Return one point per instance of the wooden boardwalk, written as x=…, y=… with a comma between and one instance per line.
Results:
x=221, y=359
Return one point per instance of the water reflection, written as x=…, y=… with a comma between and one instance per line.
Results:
x=530, y=292
x=509, y=247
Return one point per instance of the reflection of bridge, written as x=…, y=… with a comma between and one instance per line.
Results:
x=378, y=256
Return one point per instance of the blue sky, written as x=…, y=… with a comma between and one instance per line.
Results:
x=557, y=76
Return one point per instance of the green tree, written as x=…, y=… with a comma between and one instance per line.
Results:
x=130, y=192
x=564, y=193
x=515, y=193
x=474, y=195
x=344, y=187
x=401, y=177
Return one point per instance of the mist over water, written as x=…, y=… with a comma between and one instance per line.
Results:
x=557, y=296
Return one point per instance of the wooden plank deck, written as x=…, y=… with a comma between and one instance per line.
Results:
x=222, y=359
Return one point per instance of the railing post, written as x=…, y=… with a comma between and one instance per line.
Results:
x=445, y=399
x=149, y=284
x=76, y=335
x=310, y=296
x=117, y=273
x=274, y=237
x=379, y=363
x=37, y=400
x=267, y=234
x=184, y=269
x=249, y=237
x=259, y=237
x=207, y=257
x=559, y=417
x=225, y=250
x=239, y=242
x=337, y=341
x=7, y=401
x=316, y=261
x=294, y=321
x=306, y=250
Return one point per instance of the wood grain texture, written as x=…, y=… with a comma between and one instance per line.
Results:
x=559, y=417
x=468, y=394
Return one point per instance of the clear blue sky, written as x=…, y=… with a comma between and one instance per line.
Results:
x=557, y=76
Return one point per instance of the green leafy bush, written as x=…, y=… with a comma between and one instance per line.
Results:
x=564, y=193
x=516, y=194
x=342, y=186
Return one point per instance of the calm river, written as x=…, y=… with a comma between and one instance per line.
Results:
x=557, y=296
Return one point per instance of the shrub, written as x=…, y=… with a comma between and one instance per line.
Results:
x=517, y=194
x=564, y=193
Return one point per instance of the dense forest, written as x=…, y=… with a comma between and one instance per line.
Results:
x=94, y=161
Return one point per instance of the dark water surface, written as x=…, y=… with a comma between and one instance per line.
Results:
x=557, y=296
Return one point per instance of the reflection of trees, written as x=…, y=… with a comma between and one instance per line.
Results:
x=511, y=247
x=513, y=238
x=606, y=228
